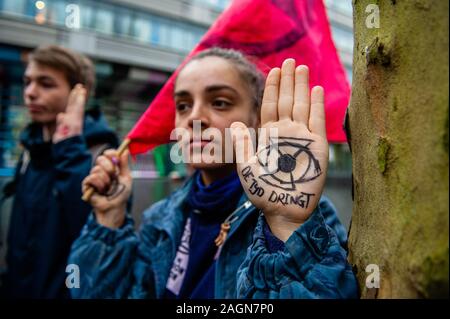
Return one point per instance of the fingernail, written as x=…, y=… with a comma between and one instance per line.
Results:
x=115, y=160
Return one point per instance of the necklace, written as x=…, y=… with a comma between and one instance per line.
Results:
x=226, y=225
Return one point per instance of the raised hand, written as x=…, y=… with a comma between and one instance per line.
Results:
x=70, y=123
x=111, y=179
x=286, y=176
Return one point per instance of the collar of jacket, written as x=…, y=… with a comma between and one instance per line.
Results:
x=244, y=209
x=172, y=217
x=32, y=140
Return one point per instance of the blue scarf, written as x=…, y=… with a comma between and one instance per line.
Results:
x=218, y=199
x=209, y=206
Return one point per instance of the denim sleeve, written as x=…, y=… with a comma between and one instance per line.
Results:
x=110, y=263
x=72, y=165
x=330, y=216
x=312, y=264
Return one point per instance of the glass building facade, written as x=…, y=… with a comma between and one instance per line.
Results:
x=110, y=20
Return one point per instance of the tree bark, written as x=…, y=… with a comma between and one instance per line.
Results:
x=398, y=132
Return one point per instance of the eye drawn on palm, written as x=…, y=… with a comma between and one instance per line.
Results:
x=287, y=174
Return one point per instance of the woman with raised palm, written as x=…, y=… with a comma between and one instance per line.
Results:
x=254, y=229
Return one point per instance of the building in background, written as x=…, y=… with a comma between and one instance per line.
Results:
x=136, y=45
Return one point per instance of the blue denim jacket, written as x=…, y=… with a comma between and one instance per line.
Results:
x=120, y=263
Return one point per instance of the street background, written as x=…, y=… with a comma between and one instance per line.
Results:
x=135, y=46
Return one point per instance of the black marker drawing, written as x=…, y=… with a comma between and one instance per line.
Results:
x=280, y=158
x=115, y=190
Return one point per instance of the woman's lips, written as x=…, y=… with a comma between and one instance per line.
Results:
x=35, y=108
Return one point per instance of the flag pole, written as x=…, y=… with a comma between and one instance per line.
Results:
x=90, y=190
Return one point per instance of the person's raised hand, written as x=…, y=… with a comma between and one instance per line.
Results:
x=70, y=122
x=286, y=176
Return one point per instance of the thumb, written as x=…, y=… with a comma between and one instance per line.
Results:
x=77, y=101
x=124, y=165
x=243, y=143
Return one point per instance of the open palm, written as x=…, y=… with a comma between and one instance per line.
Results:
x=286, y=176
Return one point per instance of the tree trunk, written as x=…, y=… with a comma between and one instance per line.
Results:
x=398, y=128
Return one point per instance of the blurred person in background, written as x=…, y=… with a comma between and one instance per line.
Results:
x=58, y=149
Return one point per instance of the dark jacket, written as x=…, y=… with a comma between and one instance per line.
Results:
x=48, y=212
x=119, y=263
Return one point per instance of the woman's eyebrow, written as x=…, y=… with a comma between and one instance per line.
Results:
x=213, y=88
x=182, y=93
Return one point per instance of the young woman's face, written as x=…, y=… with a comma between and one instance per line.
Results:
x=212, y=91
x=46, y=92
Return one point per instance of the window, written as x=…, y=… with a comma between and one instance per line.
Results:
x=218, y=5
x=57, y=12
x=86, y=15
x=122, y=22
x=104, y=19
x=164, y=34
x=116, y=20
x=191, y=40
x=177, y=38
x=31, y=10
x=156, y=31
x=16, y=7
x=142, y=28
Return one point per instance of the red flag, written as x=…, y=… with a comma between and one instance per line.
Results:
x=269, y=31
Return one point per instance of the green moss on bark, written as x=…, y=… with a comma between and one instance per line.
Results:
x=382, y=151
